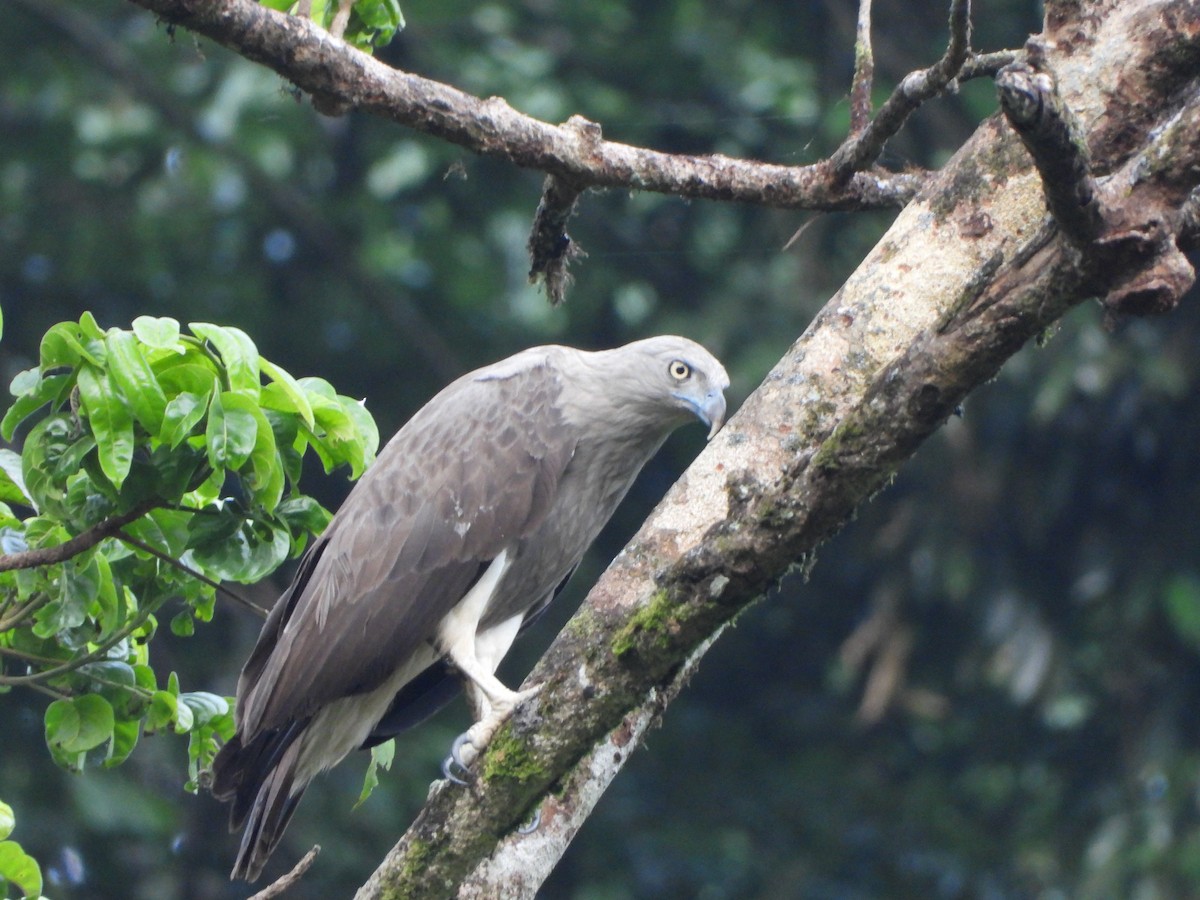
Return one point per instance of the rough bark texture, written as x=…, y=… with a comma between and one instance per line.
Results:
x=970, y=271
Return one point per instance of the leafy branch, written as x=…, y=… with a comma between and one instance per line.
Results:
x=154, y=464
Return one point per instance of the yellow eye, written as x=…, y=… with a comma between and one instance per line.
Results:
x=679, y=370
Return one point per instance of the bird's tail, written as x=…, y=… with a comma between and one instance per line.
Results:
x=261, y=780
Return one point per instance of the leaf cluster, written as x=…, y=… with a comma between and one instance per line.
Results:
x=155, y=462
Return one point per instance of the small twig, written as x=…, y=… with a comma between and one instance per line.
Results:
x=50, y=692
x=85, y=540
x=986, y=65
x=29, y=657
x=279, y=885
x=99, y=653
x=185, y=568
x=859, y=151
x=864, y=72
x=1032, y=104
x=13, y=618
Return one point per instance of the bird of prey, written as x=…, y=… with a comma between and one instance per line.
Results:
x=468, y=524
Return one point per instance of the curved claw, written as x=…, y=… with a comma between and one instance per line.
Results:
x=532, y=825
x=453, y=764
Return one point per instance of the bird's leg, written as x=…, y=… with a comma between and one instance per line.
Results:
x=490, y=700
x=476, y=654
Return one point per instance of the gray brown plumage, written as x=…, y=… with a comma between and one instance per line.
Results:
x=464, y=529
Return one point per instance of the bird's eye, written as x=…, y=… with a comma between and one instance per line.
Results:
x=679, y=370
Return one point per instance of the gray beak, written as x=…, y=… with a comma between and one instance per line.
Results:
x=712, y=412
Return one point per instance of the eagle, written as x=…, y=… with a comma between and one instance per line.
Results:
x=465, y=528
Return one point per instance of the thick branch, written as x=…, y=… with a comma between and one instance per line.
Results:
x=339, y=75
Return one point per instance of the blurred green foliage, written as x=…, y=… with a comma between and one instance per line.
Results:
x=1033, y=572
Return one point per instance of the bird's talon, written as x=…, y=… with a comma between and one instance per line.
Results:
x=456, y=766
x=532, y=825
x=448, y=772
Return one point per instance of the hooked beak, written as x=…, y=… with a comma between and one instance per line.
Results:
x=710, y=410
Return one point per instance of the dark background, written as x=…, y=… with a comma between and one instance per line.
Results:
x=1024, y=727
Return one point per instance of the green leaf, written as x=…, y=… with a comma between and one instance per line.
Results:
x=288, y=395
x=12, y=481
x=19, y=868
x=182, y=413
x=42, y=391
x=232, y=430
x=158, y=333
x=366, y=431
x=253, y=551
x=193, y=373
x=130, y=372
x=161, y=711
x=204, y=706
x=79, y=724
x=182, y=624
x=125, y=738
x=88, y=328
x=237, y=352
x=303, y=514
x=265, y=478
x=381, y=757
x=64, y=345
x=111, y=422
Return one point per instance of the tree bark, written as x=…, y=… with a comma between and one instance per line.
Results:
x=971, y=270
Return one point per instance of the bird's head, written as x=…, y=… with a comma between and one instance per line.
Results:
x=670, y=374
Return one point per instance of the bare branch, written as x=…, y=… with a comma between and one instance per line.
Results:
x=1032, y=105
x=331, y=70
x=861, y=150
x=986, y=65
x=281, y=884
x=46, y=556
x=864, y=71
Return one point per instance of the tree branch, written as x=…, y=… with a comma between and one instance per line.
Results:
x=85, y=540
x=862, y=148
x=864, y=71
x=336, y=74
x=1031, y=103
x=281, y=884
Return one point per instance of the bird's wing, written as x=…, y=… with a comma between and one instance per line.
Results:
x=473, y=471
